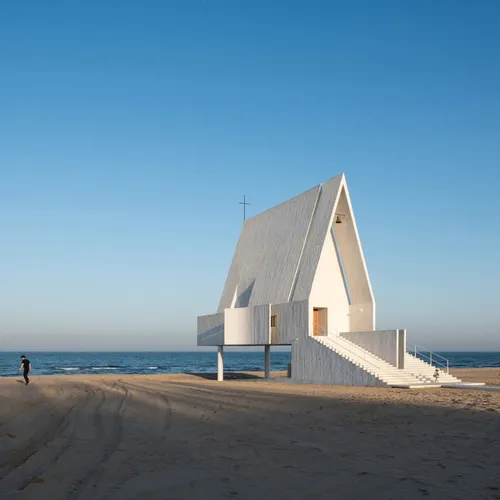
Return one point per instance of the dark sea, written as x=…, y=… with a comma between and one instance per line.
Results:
x=73, y=363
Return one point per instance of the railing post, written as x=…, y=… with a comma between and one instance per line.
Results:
x=430, y=352
x=415, y=349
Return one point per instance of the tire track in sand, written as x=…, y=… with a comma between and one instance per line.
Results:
x=155, y=449
x=31, y=461
x=42, y=402
x=81, y=484
x=164, y=403
x=34, y=404
x=69, y=440
x=74, y=427
x=43, y=436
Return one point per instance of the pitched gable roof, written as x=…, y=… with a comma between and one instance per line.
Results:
x=279, y=250
x=268, y=253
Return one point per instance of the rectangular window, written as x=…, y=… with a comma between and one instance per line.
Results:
x=273, y=321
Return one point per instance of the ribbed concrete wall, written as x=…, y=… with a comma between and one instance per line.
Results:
x=211, y=330
x=292, y=320
x=261, y=322
x=314, y=363
x=267, y=255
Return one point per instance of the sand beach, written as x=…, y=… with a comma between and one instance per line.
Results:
x=187, y=437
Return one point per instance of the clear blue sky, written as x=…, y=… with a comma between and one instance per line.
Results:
x=130, y=130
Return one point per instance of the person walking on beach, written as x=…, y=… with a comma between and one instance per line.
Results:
x=26, y=367
x=436, y=376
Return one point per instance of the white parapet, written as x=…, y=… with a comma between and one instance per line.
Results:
x=247, y=325
x=389, y=345
x=211, y=330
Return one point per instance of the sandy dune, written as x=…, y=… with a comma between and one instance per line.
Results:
x=183, y=437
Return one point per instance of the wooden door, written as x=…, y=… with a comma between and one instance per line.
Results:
x=316, y=331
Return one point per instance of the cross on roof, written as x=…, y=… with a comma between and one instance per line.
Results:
x=244, y=203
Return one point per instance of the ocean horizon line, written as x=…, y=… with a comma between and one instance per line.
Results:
x=201, y=361
x=95, y=351
x=206, y=350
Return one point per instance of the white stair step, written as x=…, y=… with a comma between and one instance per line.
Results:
x=371, y=364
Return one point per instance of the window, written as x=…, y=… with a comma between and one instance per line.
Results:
x=273, y=321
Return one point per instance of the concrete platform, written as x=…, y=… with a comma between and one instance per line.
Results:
x=462, y=384
x=416, y=386
x=473, y=385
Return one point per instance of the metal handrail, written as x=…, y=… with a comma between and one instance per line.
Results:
x=418, y=349
x=428, y=350
x=433, y=362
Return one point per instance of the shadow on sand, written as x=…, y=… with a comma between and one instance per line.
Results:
x=228, y=376
x=127, y=438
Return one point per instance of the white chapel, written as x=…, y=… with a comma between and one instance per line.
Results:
x=299, y=278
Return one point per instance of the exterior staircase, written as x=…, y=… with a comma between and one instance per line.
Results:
x=380, y=369
x=425, y=371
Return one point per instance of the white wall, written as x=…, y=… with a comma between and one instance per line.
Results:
x=385, y=344
x=329, y=290
x=361, y=316
x=362, y=311
x=315, y=363
x=211, y=330
x=292, y=321
x=247, y=325
x=237, y=326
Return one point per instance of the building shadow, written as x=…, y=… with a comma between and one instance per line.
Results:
x=243, y=299
x=228, y=376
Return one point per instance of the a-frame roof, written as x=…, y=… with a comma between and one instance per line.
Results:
x=278, y=250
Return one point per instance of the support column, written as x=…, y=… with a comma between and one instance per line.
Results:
x=267, y=361
x=220, y=363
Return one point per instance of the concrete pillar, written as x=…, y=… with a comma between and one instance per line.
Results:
x=267, y=361
x=220, y=362
x=401, y=349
